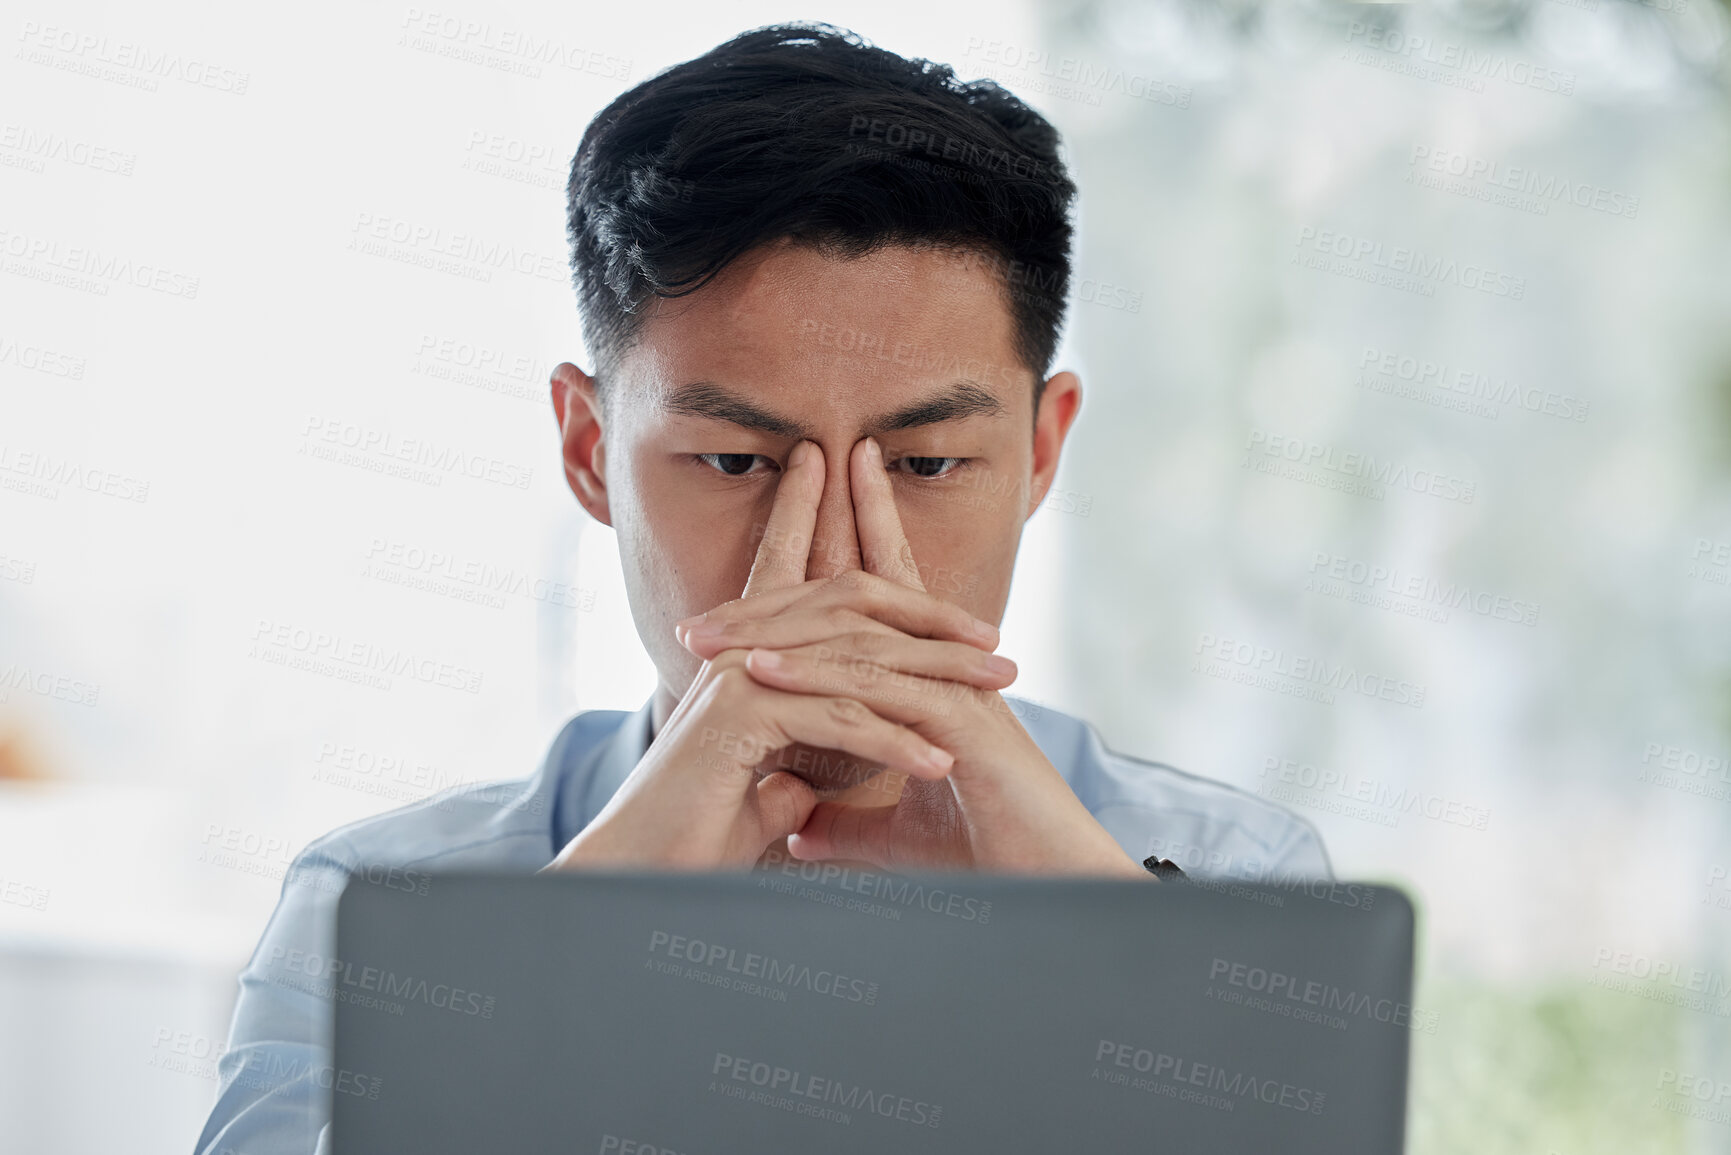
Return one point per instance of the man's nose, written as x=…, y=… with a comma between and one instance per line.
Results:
x=834, y=540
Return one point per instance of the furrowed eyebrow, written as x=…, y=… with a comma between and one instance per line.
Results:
x=962, y=399
x=704, y=399
x=708, y=400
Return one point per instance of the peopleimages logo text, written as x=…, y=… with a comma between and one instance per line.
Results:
x=1287, y=781
x=1373, y=579
x=1696, y=980
x=1277, y=984
x=91, y=49
x=1354, y=471
x=386, y=445
x=752, y=965
x=850, y=1096
x=1425, y=268
x=1301, y=668
x=1234, y=1087
x=1464, y=61
x=1477, y=172
x=272, y=639
x=514, y=43
x=106, y=267
x=1471, y=383
x=879, y=885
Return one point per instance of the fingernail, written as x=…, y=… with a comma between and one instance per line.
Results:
x=986, y=631
x=765, y=659
x=687, y=623
x=939, y=759
x=797, y=457
x=999, y=666
x=705, y=628
x=874, y=451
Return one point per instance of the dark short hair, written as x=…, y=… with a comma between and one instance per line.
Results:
x=809, y=132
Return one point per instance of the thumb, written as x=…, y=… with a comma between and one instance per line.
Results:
x=835, y=830
x=784, y=802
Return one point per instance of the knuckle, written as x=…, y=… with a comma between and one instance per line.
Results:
x=866, y=624
x=848, y=713
x=864, y=644
x=732, y=658
x=738, y=629
x=869, y=600
x=852, y=581
x=730, y=683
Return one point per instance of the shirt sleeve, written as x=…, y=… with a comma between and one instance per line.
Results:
x=275, y=1077
x=1301, y=854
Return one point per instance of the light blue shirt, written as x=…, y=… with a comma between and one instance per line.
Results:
x=276, y=1075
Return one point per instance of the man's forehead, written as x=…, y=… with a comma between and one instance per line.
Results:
x=790, y=326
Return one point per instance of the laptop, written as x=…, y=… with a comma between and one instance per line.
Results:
x=819, y=1009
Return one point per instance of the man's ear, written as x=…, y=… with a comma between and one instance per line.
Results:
x=1060, y=401
x=578, y=411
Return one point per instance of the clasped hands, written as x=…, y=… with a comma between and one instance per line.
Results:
x=868, y=663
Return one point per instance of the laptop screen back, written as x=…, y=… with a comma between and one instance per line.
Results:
x=828, y=1010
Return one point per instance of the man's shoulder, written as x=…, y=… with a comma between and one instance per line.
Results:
x=476, y=824
x=1152, y=808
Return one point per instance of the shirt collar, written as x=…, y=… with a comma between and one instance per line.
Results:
x=615, y=758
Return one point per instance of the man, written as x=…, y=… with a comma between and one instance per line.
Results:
x=822, y=286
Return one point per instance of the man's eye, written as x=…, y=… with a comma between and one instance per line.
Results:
x=929, y=466
x=732, y=464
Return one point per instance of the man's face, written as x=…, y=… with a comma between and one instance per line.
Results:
x=912, y=347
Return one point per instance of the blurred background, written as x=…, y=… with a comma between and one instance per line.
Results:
x=1404, y=334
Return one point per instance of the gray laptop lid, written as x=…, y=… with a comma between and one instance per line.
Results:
x=829, y=1010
